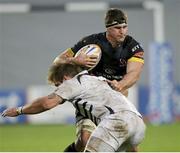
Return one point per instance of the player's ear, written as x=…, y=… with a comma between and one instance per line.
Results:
x=66, y=77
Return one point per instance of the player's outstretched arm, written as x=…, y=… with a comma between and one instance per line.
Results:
x=37, y=106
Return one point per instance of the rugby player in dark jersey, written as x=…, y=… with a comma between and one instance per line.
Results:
x=121, y=63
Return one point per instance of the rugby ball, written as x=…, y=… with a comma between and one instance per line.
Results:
x=91, y=49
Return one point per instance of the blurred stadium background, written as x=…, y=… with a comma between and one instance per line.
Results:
x=34, y=32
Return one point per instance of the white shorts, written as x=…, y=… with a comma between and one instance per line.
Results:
x=117, y=132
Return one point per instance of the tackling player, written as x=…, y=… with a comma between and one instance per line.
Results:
x=119, y=125
x=121, y=63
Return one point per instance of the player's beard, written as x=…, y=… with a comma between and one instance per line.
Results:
x=120, y=39
x=116, y=40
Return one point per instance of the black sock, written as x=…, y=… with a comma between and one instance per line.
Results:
x=70, y=148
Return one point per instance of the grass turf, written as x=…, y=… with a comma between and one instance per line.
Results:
x=52, y=138
x=34, y=138
x=163, y=138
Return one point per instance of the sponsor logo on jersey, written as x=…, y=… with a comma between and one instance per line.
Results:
x=135, y=48
x=109, y=76
x=109, y=71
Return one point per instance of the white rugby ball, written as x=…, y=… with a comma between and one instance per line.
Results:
x=91, y=49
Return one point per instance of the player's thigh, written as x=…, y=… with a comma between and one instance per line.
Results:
x=139, y=132
x=111, y=132
x=84, y=128
x=136, y=130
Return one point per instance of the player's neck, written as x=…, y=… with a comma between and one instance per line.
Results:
x=113, y=42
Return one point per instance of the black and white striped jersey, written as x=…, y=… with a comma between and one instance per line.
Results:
x=93, y=98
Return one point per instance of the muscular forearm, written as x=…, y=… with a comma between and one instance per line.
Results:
x=128, y=81
x=62, y=59
x=133, y=74
x=81, y=59
x=65, y=57
x=42, y=104
x=34, y=108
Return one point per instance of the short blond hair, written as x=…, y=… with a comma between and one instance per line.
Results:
x=57, y=72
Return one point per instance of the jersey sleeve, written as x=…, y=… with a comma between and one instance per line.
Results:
x=136, y=52
x=68, y=89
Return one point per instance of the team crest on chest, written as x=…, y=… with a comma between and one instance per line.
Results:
x=122, y=62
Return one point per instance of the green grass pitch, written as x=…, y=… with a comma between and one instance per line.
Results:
x=50, y=138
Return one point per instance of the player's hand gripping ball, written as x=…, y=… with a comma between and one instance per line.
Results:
x=91, y=49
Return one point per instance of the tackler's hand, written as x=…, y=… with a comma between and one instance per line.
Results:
x=117, y=86
x=11, y=112
x=114, y=84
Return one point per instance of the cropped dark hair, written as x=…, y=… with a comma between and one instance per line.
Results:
x=115, y=16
